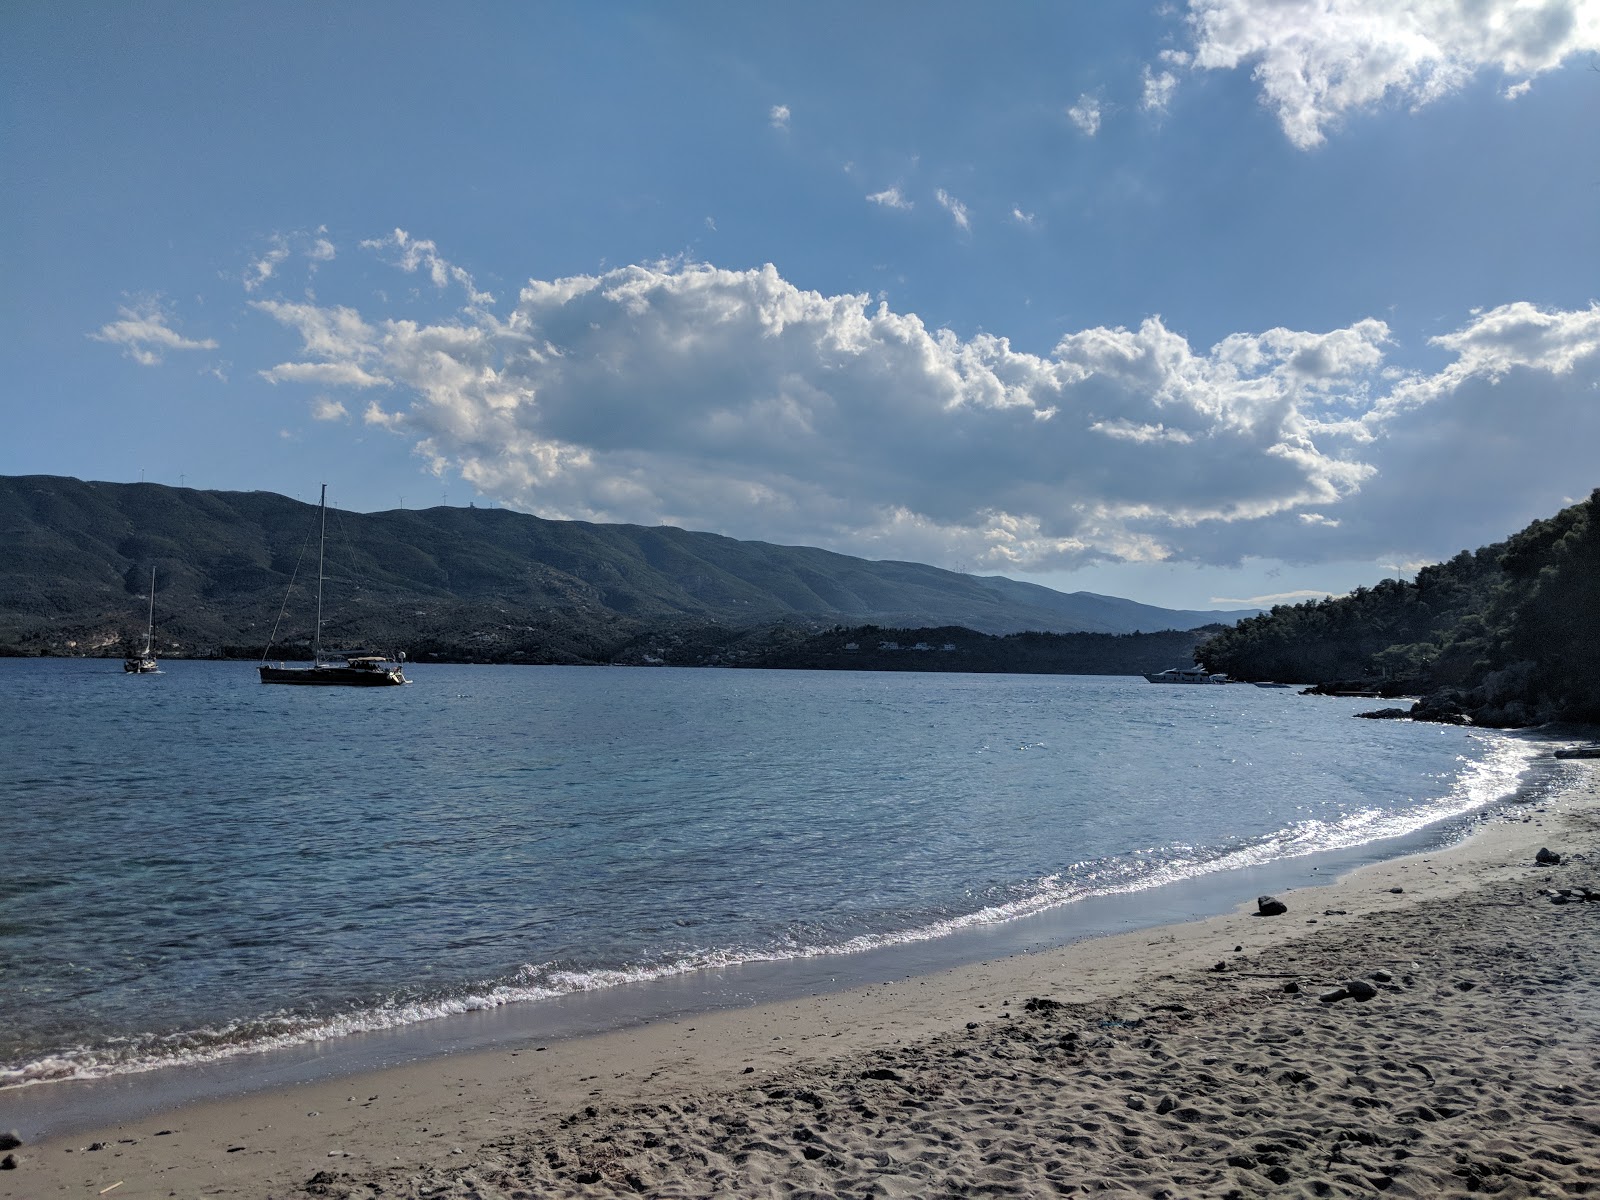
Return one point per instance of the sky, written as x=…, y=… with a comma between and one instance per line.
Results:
x=1211, y=304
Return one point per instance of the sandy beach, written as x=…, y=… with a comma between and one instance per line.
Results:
x=1214, y=1058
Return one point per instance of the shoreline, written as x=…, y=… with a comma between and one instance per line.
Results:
x=66, y=1107
x=775, y=1099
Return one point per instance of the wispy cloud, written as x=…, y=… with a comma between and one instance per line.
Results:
x=314, y=247
x=778, y=116
x=144, y=331
x=891, y=198
x=416, y=254
x=1157, y=90
x=1085, y=114
x=1317, y=60
x=956, y=209
x=1269, y=600
x=1026, y=219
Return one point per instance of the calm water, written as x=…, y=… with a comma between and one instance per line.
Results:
x=199, y=864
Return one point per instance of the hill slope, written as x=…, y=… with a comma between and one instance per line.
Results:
x=454, y=582
x=1508, y=634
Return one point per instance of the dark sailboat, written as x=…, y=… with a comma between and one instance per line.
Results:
x=332, y=668
x=144, y=662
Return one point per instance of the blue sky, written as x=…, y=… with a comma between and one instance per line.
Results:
x=1202, y=304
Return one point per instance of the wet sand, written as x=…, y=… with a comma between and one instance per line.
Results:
x=1198, y=1059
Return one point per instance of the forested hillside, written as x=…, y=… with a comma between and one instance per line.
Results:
x=1509, y=634
x=453, y=583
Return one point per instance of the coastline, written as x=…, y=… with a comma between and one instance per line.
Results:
x=1148, y=1068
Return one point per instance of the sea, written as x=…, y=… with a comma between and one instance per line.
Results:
x=212, y=885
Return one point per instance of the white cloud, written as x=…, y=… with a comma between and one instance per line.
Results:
x=956, y=209
x=324, y=409
x=1294, y=597
x=1026, y=219
x=891, y=198
x=1085, y=114
x=314, y=247
x=737, y=402
x=1316, y=60
x=1157, y=90
x=331, y=374
x=265, y=267
x=145, y=333
x=417, y=255
x=778, y=115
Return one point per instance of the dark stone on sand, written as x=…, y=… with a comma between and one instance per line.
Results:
x=1333, y=997
x=1547, y=857
x=95, y=1146
x=10, y=1163
x=882, y=1073
x=972, y=1024
x=1041, y=1004
x=1360, y=989
x=1165, y=1105
x=1136, y=1102
x=1270, y=906
x=1558, y=898
x=1244, y=1162
x=1397, y=891
x=10, y=1140
x=1219, y=966
x=1292, y=987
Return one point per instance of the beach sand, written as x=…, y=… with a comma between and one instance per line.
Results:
x=1166, y=1062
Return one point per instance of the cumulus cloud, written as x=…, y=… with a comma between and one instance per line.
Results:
x=778, y=115
x=144, y=331
x=737, y=402
x=1316, y=60
x=956, y=209
x=324, y=409
x=891, y=198
x=1085, y=114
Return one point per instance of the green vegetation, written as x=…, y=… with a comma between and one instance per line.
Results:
x=1509, y=634
x=462, y=584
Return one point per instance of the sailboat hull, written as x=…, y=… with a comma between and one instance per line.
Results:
x=331, y=675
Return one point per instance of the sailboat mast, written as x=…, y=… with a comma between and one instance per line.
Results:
x=322, y=542
x=150, y=623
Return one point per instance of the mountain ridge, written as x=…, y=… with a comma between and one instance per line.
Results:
x=79, y=555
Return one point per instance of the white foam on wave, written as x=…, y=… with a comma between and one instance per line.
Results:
x=1482, y=781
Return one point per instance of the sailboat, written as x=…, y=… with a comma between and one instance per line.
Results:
x=348, y=668
x=144, y=662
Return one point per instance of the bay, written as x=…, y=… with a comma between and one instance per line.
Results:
x=204, y=867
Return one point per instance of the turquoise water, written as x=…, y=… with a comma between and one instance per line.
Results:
x=202, y=866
